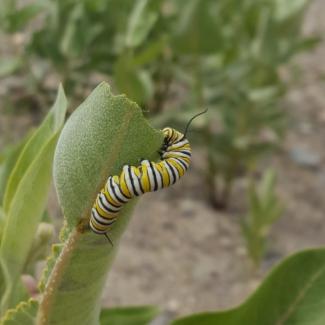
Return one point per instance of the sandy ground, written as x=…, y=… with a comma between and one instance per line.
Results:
x=186, y=257
x=182, y=255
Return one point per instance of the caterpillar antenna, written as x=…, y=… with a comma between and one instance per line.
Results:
x=105, y=234
x=190, y=121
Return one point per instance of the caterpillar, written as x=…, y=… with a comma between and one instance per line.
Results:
x=149, y=176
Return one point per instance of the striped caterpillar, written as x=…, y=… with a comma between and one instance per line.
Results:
x=175, y=159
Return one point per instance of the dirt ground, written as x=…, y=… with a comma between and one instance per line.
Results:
x=182, y=255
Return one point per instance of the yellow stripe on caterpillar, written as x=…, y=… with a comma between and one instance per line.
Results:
x=175, y=158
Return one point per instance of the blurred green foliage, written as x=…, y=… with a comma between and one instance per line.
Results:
x=119, y=39
x=175, y=58
x=26, y=172
x=264, y=209
x=234, y=52
x=14, y=16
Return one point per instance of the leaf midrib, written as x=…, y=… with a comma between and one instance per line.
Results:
x=300, y=296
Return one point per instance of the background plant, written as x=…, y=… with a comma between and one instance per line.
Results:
x=237, y=74
x=79, y=40
x=264, y=209
x=174, y=59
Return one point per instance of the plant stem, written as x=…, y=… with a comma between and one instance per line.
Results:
x=210, y=177
x=55, y=278
x=88, y=258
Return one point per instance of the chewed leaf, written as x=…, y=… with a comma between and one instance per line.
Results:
x=103, y=134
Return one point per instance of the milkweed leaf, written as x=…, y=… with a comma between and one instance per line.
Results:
x=104, y=133
x=293, y=294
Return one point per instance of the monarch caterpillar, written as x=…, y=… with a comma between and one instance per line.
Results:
x=175, y=159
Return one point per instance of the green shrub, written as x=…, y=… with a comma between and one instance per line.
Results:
x=231, y=54
x=225, y=55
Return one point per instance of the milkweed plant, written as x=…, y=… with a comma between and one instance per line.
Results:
x=103, y=134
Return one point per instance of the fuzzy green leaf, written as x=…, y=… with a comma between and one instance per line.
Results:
x=128, y=315
x=52, y=123
x=102, y=135
x=293, y=294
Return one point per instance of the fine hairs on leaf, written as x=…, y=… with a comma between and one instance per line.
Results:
x=104, y=133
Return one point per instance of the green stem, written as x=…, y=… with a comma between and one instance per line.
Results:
x=88, y=258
